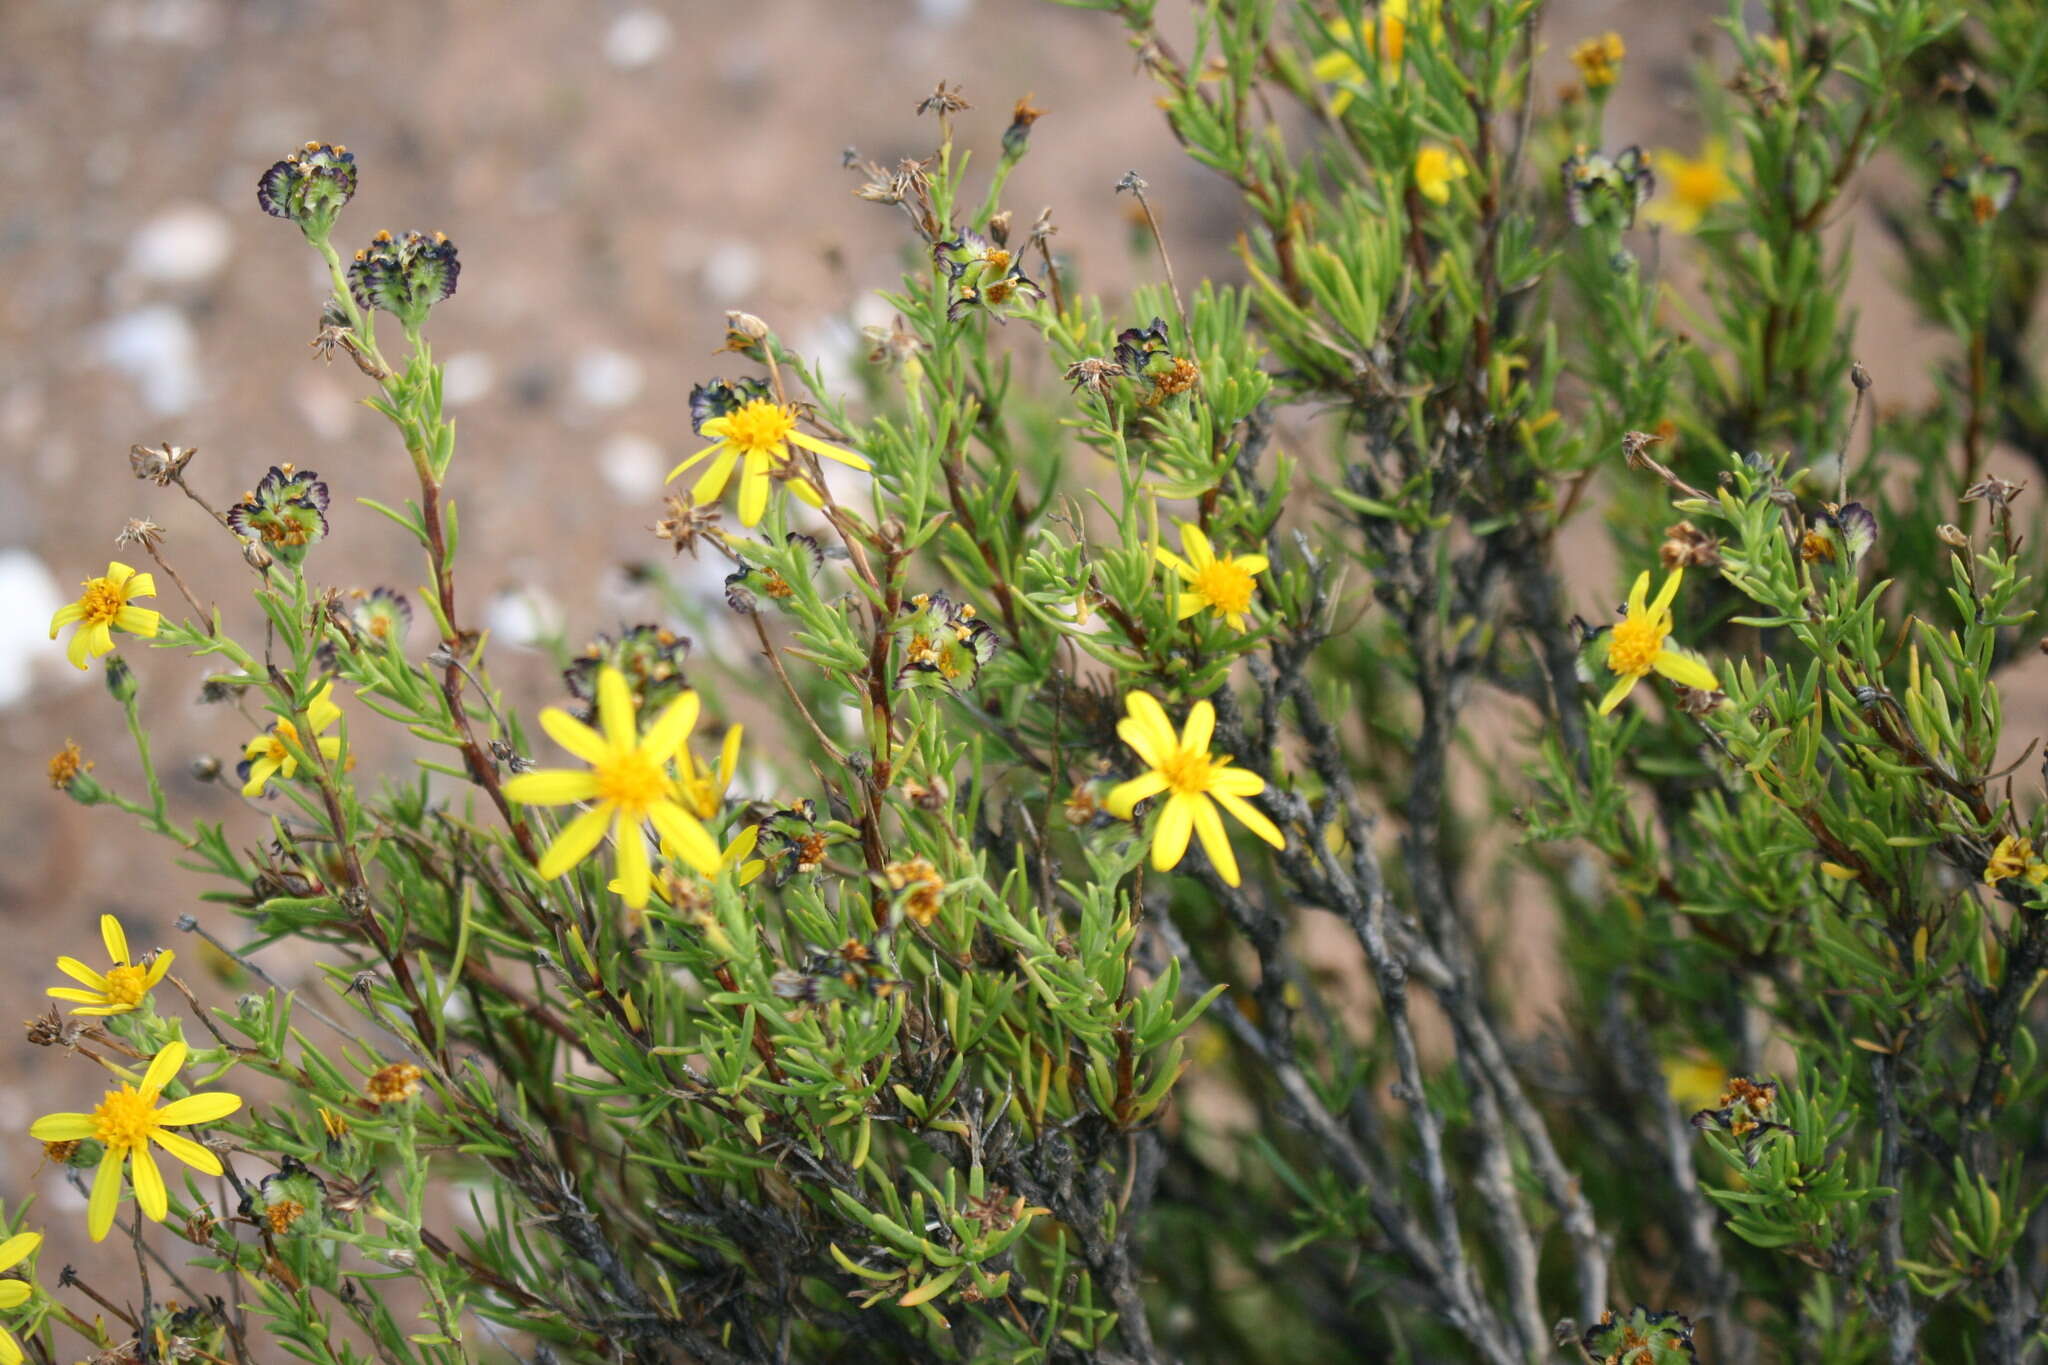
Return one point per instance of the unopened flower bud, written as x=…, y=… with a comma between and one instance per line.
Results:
x=258, y=557
x=1859, y=376
x=1952, y=536
x=120, y=679
x=205, y=768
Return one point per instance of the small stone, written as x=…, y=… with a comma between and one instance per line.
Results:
x=184, y=244
x=466, y=377
x=632, y=465
x=605, y=378
x=637, y=38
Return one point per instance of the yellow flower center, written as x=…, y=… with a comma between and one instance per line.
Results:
x=632, y=781
x=102, y=601
x=282, y=733
x=1700, y=184
x=1224, y=586
x=1635, y=644
x=998, y=259
x=124, y=1120
x=759, y=427
x=1188, y=773
x=126, y=985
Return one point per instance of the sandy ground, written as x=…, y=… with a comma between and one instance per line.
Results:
x=615, y=177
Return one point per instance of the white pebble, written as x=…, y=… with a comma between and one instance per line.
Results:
x=466, y=377
x=32, y=597
x=731, y=271
x=632, y=465
x=185, y=244
x=157, y=348
x=636, y=38
x=608, y=379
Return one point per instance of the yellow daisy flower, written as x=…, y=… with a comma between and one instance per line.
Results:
x=122, y=986
x=1436, y=169
x=15, y=1293
x=103, y=609
x=1636, y=648
x=628, y=784
x=703, y=789
x=2015, y=858
x=128, y=1121
x=759, y=433
x=270, y=753
x=1694, y=186
x=1223, y=585
x=1599, y=60
x=1197, y=782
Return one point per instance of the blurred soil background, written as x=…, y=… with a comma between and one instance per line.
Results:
x=615, y=176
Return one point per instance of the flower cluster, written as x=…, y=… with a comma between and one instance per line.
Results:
x=285, y=513
x=405, y=276
x=985, y=276
x=1607, y=189
x=944, y=643
x=310, y=187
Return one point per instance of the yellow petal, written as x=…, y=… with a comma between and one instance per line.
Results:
x=575, y=842
x=1683, y=668
x=119, y=573
x=1201, y=728
x=1670, y=590
x=1125, y=796
x=78, y=647
x=1639, y=595
x=82, y=974
x=1252, y=818
x=635, y=875
x=204, y=1107
x=1149, y=731
x=1622, y=687
x=1176, y=823
x=150, y=1195
x=16, y=1249
x=830, y=451
x=83, y=997
x=13, y=1294
x=1199, y=552
x=573, y=735
x=260, y=772
x=106, y=1193
x=671, y=728
x=552, y=787
x=712, y=483
x=617, y=715
x=186, y=1150
x=690, y=840
x=1215, y=842
x=158, y=967
x=698, y=458
x=754, y=490
x=139, y=620
x=62, y=1127
x=728, y=758
x=116, y=941
x=65, y=616
x=162, y=1068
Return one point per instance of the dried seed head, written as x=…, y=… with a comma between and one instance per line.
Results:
x=1951, y=535
x=943, y=101
x=161, y=464
x=1687, y=547
x=140, y=531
